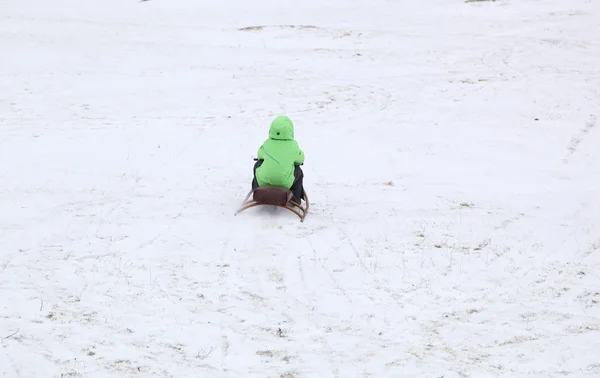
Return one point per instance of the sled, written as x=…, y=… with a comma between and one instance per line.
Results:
x=274, y=196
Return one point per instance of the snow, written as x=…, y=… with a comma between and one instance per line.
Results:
x=451, y=162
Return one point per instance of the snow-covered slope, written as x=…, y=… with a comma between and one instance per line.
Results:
x=451, y=161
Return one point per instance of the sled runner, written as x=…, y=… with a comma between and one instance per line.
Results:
x=274, y=196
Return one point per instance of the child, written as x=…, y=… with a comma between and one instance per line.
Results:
x=279, y=160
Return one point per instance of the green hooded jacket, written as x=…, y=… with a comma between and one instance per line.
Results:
x=280, y=153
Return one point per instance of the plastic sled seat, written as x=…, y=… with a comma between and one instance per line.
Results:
x=274, y=196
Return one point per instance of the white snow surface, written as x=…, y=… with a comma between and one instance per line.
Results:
x=452, y=164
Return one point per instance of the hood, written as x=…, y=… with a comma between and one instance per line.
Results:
x=282, y=128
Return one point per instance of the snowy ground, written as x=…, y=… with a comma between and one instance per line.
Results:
x=451, y=159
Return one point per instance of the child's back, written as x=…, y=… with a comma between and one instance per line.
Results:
x=280, y=154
